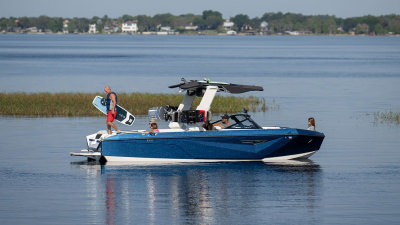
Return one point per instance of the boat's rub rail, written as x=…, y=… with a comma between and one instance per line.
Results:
x=271, y=128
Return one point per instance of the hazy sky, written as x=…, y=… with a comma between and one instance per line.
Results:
x=228, y=8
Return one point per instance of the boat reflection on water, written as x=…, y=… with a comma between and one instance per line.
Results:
x=205, y=193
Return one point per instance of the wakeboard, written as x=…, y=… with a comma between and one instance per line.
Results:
x=123, y=116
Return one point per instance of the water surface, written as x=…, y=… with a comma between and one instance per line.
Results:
x=341, y=81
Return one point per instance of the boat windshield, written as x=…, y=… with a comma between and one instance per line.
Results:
x=241, y=121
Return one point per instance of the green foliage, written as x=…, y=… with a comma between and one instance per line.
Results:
x=240, y=20
x=56, y=24
x=212, y=19
x=80, y=24
x=378, y=29
x=80, y=104
x=43, y=22
x=164, y=19
x=24, y=22
x=126, y=18
x=145, y=23
x=362, y=28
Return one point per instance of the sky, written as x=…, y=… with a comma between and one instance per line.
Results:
x=228, y=8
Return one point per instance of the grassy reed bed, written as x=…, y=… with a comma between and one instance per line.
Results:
x=391, y=117
x=80, y=104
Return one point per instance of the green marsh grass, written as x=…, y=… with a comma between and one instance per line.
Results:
x=80, y=104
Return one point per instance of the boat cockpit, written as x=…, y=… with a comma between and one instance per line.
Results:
x=240, y=121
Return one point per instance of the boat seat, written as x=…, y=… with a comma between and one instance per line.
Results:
x=100, y=133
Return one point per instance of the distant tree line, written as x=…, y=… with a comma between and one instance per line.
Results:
x=213, y=21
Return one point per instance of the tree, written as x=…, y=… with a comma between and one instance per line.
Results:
x=212, y=19
x=371, y=21
x=314, y=24
x=95, y=20
x=362, y=28
x=329, y=26
x=378, y=29
x=255, y=23
x=199, y=21
x=240, y=20
x=105, y=20
x=81, y=24
x=393, y=24
x=127, y=18
x=71, y=28
x=43, y=22
x=56, y=24
x=349, y=24
x=165, y=19
x=213, y=22
x=145, y=23
x=181, y=21
x=272, y=16
x=4, y=23
x=24, y=22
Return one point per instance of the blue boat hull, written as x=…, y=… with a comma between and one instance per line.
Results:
x=224, y=145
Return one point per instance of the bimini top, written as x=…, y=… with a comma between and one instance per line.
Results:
x=195, y=85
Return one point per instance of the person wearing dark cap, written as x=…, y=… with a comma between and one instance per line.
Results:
x=225, y=122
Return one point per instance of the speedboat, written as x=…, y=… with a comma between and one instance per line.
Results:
x=187, y=141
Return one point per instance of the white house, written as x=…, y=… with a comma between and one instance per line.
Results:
x=65, y=26
x=228, y=25
x=92, y=29
x=130, y=27
x=264, y=25
x=191, y=27
x=166, y=28
x=31, y=30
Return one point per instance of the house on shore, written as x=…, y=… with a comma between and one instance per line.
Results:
x=191, y=27
x=30, y=30
x=228, y=25
x=247, y=29
x=65, y=26
x=92, y=29
x=130, y=27
x=165, y=30
x=264, y=28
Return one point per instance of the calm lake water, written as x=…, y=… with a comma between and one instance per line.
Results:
x=341, y=81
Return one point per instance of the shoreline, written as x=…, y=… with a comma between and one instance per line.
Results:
x=217, y=34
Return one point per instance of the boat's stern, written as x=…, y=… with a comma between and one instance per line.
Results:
x=93, y=150
x=93, y=140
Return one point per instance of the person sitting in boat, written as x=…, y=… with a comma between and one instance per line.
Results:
x=153, y=127
x=207, y=125
x=225, y=122
x=311, y=124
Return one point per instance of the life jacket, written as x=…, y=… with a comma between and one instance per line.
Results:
x=108, y=100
